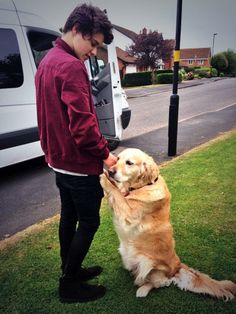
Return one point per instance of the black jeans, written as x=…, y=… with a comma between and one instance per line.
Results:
x=80, y=204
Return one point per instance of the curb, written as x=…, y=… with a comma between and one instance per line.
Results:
x=164, y=91
x=5, y=243
x=170, y=86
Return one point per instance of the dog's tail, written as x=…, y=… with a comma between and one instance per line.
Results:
x=189, y=279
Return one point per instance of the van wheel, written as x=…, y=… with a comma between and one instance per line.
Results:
x=113, y=144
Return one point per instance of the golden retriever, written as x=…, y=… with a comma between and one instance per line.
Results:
x=140, y=200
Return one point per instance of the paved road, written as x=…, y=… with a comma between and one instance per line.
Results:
x=191, y=133
x=196, y=125
x=28, y=194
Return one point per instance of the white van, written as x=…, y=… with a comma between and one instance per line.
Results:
x=24, y=40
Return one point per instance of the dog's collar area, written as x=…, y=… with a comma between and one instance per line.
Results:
x=132, y=189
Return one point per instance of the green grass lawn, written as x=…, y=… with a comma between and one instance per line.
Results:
x=203, y=188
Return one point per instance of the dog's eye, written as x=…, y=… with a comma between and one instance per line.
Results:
x=129, y=163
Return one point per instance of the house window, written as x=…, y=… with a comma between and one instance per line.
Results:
x=201, y=62
x=190, y=61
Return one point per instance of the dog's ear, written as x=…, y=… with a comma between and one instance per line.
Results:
x=150, y=170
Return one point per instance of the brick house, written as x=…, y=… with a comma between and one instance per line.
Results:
x=123, y=39
x=126, y=63
x=195, y=57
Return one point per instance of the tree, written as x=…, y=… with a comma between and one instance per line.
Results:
x=150, y=47
x=219, y=62
x=231, y=57
x=225, y=62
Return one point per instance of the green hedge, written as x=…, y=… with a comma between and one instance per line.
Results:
x=163, y=71
x=164, y=76
x=137, y=79
x=167, y=78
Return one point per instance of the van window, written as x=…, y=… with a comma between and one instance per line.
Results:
x=96, y=65
x=40, y=43
x=11, y=73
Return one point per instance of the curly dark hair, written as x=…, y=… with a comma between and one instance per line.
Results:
x=89, y=20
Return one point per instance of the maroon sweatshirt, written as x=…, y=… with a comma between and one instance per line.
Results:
x=68, y=125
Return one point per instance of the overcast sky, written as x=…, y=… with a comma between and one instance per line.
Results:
x=200, y=19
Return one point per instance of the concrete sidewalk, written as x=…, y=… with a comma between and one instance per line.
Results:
x=142, y=91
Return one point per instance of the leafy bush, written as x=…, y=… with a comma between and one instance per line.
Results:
x=183, y=73
x=137, y=79
x=214, y=72
x=203, y=72
x=180, y=77
x=220, y=62
x=225, y=62
x=190, y=76
x=231, y=57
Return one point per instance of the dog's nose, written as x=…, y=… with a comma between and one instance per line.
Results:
x=111, y=173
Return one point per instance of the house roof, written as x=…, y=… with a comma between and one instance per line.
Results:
x=124, y=56
x=121, y=54
x=125, y=31
x=193, y=53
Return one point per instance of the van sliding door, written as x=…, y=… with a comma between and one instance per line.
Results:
x=102, y=92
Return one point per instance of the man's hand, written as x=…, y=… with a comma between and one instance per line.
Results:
x=110, y=161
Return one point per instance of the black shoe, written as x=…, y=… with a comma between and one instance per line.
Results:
x=85, y=274
x=73, y=291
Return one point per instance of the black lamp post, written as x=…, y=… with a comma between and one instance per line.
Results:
x=174, y=99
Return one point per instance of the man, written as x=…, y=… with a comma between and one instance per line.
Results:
x=73, y=144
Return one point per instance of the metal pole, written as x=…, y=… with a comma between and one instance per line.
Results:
x=174, y=99
x=213, y=43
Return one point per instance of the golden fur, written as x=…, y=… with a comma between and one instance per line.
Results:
x=140, y=200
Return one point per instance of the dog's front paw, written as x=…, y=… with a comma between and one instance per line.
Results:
x=104, y=181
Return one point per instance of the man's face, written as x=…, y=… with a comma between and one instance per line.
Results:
x=85, y=47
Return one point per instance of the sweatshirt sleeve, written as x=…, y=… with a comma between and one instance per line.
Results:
x=83, y=122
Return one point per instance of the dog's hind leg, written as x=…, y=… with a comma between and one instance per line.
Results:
x=156, y=279
x=159, y=279
x=144, y=290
